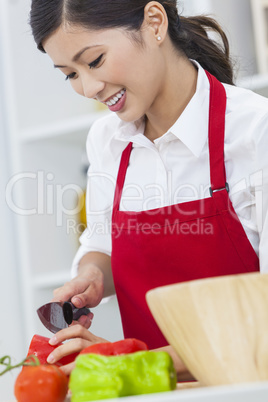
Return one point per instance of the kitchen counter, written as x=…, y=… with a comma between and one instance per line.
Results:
x=257, y=392
x=238, y=393
x=253, y=392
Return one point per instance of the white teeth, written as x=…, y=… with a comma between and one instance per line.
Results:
x=116, y=98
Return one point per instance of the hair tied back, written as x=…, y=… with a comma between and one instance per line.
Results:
x=178, y=23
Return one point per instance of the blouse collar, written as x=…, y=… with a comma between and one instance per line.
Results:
x=191, y=128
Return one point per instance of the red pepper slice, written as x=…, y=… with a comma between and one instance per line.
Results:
x=40, y=347
x=129, y=345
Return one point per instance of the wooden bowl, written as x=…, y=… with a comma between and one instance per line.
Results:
x=218, y=326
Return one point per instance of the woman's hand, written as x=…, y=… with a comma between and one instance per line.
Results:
x=93, y=282
x=78, y=339
x=85, y=290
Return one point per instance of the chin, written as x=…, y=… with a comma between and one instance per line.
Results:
x=130, y=117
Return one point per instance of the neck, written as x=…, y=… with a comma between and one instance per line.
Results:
x=179, y=86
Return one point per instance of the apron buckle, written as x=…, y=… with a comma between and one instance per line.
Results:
x=227, y=188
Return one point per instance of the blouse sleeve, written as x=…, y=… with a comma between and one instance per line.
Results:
x=99, y=200
x=260, y=182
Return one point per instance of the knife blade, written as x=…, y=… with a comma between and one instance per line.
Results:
x=59, y=315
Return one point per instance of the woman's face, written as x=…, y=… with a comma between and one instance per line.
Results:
x=110, y=67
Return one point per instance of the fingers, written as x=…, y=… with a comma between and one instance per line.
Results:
x=68, y=368
x=73, y=346
x=82, y=300
x=79, y=338
x=73, y=331
x=90, y=295
x=84, y=320
x=66, y=292
x=86, y=290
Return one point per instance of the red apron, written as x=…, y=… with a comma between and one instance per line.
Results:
x=177, y=243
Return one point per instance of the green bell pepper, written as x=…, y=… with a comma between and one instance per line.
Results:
x=98, y=377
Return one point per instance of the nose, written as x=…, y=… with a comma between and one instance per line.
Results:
x=90, y=86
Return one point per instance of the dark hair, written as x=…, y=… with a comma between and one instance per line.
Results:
x=188, y=35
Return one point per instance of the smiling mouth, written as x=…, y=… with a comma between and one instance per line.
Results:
x=116, y=98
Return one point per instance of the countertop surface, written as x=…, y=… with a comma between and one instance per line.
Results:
x=257, y=392
x=250, y=392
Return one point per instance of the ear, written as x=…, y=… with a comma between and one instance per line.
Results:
x=155, y=17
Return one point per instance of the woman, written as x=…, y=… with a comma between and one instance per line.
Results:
x=177, y=186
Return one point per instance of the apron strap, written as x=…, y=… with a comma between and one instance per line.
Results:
x=217, y=108
x=121, y=176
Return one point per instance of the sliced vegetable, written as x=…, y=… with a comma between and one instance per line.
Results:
x=129, y=345
x=40, y=348
x=98, y=377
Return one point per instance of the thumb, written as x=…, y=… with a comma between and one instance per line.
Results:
x=69, y=290
x=81, y=300
x=91, y=297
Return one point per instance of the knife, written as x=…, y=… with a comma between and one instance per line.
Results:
x=58, y=315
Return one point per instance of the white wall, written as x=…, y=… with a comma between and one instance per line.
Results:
x=11, y=336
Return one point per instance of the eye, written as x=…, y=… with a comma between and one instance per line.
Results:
x=70, y=76
x=96, y=62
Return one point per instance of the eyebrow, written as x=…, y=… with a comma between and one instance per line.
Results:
x=77, y=55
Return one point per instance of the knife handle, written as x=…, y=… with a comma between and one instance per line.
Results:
x=72, y=313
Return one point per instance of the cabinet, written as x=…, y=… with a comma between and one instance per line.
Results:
x=260, y=20
x=46, y=125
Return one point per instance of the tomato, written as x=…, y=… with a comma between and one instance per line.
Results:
x=40, y=348
x=43, y=383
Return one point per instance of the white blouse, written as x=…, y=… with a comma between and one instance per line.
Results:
x=175, y=167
